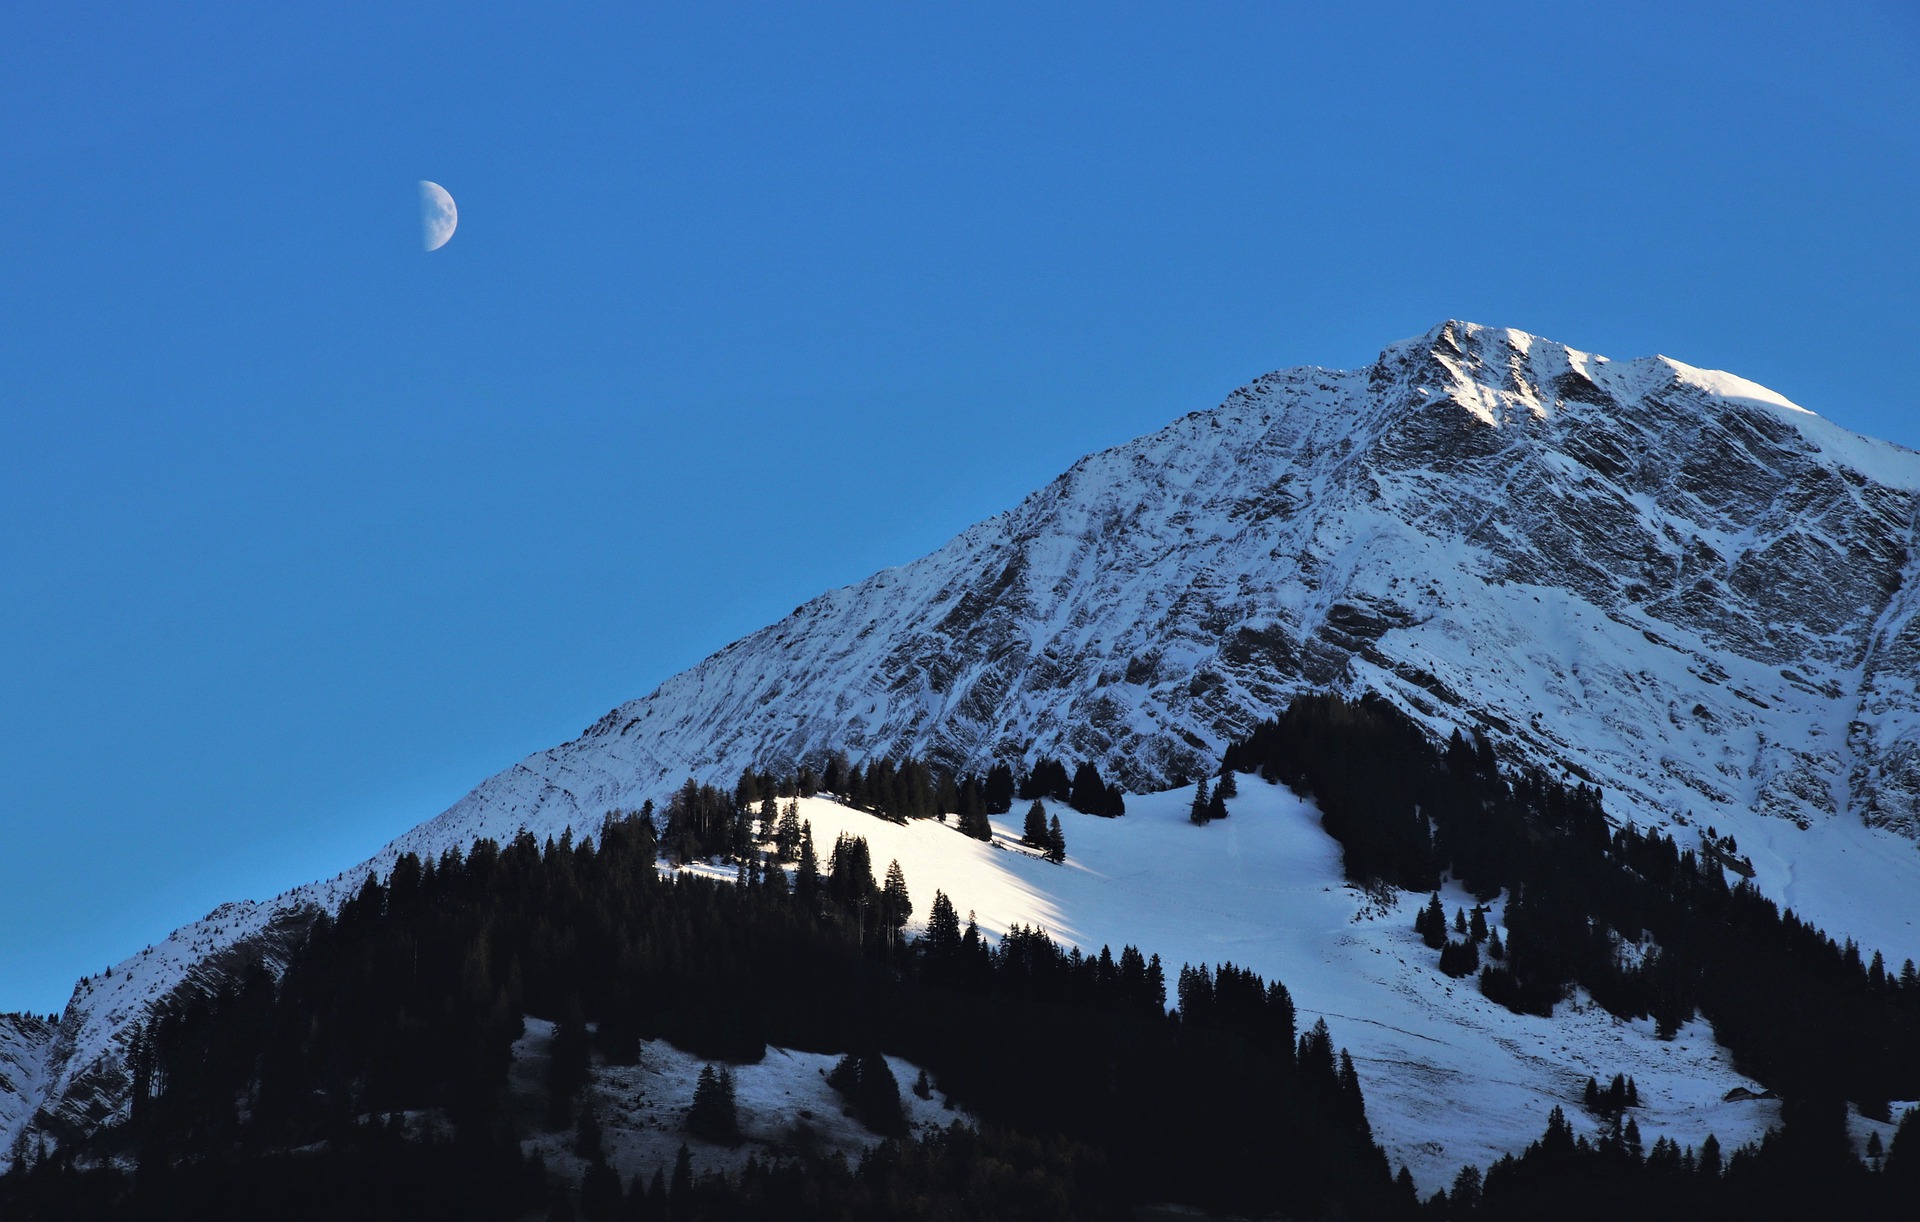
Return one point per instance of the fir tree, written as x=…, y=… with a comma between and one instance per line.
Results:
x=1088, y=794
x=895, y=905
x=1465, y=1199
x=786, y=837
x=869, y=1086
x=806, y=879
x=974, y=808
x=680, y=1188
x=1707, y=1166
x=1034, y=835
x=1216, y=806
x=1229, y=786
x=1432, y=923
x=999, y=789
x=714, y=1116
x=1459, y=959
x=1157, y=984
x=943, y=927
x=600, y=1197
x=1056, y=841
x=1198, y=814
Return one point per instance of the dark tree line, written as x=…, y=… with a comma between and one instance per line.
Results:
x=1802, y=1012
x=409, y=1000
x=703, y=822
x=1084, y=791
x=1803, y=1169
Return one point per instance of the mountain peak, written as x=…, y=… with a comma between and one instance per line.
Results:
x=1669, y=582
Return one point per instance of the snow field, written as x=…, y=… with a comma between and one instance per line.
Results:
x=1450, y=1077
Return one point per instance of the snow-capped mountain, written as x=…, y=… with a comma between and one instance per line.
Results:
x=1668, y=581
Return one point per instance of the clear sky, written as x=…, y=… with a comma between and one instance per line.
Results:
x=304, y=530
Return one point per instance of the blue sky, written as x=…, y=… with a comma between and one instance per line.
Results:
x=304, y=531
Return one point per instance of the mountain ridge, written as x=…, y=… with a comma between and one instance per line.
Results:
x=1666, y=581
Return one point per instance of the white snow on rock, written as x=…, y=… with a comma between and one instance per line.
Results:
x=1667, y=581
x=783, y=1101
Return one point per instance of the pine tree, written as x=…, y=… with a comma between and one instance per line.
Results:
x=1088, y=794
x=1477, y=923
x=879, y=1097
x=867, y=1082
x=1707, y=1166
x=600, y=1191
x=1229, y=786
x=1034, y=835
x=1056, y=841
x=943, y=927
x=806, y=878
x=974, y=807
x=895, y=905
x=680, y=1188
x=1434, y=929
x=786, y=838
x=1216, y=806
x=1459, y=959
x=999, y=789
x=1466, y=1192
x=714, y=1116
x=1198, y=814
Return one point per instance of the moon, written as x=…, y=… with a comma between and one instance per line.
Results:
x=438, y=216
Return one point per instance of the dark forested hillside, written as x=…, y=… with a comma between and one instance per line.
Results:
x=409, y=1001
x=1801, y=1012
x=287, y=1096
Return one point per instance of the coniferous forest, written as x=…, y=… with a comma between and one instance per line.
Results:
x=272, y=1097
x=1798, y=1010
x=280, y=1094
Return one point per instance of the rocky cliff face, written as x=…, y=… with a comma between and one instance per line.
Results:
x=1668, y=581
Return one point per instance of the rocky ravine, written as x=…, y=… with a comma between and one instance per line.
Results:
x=1669, y=581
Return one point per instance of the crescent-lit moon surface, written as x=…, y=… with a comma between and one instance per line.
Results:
x=438, y=216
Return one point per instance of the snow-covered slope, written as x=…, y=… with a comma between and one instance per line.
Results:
x=1451, y=1078
x=26, y=1040
x=1666, y=580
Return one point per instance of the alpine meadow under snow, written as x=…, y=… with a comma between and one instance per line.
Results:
x=1667, y=582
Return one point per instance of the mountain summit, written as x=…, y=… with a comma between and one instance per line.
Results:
x=1666, y=581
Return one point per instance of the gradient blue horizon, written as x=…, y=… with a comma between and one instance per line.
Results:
x=305, y=531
